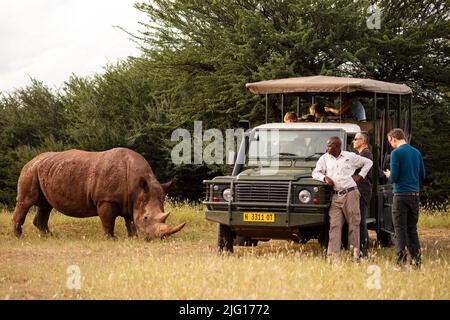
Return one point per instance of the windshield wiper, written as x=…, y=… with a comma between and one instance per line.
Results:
x=314, y=155
x=284, y=154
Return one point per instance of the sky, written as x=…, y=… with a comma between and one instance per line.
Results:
x=49, y=40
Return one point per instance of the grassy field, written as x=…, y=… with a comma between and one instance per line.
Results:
x=186, y=266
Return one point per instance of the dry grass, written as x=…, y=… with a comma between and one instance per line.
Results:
x=434, y=219
x=186, y=266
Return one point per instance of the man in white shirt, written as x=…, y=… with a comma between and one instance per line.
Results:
x=336, y=168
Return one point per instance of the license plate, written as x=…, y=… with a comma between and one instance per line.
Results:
x=258, y=217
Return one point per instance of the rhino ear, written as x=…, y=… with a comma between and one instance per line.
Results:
x=167, y=185
x=143, y=184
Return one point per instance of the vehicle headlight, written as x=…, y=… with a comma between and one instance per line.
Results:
x=226, y=194
x=304, y=196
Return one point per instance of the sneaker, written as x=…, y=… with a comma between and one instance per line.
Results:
x=364, y=253
x=416, y=265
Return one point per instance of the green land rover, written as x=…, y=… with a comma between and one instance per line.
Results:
x=271, y=194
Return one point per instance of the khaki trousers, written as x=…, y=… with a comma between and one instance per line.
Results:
x=344, y=207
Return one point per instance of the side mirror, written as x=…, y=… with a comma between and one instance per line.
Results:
x=244, y=124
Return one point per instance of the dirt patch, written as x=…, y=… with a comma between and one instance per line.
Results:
x=434, y=234
x=435, y=238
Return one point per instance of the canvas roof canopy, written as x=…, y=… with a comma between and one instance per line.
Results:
x=323, y=84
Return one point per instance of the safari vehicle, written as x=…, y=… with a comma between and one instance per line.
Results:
x=271, y=194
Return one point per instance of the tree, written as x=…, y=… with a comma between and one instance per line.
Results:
x=202, y=52
x=197, y=56
x=32, y=120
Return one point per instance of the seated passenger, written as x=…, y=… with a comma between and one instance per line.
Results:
x=290, y=117
x=316, y=114
x=350, y=107
x=310, y=117
x=320, y=115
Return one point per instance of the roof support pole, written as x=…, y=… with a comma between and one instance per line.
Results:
x=399, y=108
x=267, y=107
x=410, y=117
x=386, y=117
x=282, y=107
x=375, y=150
x=298, y=106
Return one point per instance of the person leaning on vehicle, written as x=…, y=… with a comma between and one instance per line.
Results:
x=361, y=146
x=407, y=172
x=336, y=168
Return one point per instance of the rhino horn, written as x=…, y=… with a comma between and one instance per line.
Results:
x=168, y=230
x=162, y=217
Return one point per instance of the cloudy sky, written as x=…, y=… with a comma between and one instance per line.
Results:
x=50, y=39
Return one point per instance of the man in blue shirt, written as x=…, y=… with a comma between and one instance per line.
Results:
x=407, y=171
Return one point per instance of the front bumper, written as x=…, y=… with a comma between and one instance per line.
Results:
x=283, y=218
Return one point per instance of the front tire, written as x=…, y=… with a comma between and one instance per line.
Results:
x=225, y=238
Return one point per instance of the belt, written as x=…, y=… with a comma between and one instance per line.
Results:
x=342, y=192
x=406, y=194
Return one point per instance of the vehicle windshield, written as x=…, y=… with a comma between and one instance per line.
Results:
x=281, y=145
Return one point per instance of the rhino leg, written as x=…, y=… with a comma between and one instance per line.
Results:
x=27, y=195
x=108, y=213
x=18, y=219
x=131, y=227
x=41, y=219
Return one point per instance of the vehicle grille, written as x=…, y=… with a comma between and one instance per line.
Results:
x=261, y=192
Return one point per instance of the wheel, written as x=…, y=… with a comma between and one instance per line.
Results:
x=225, y=238
x=385, y=239
x=243, y=241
